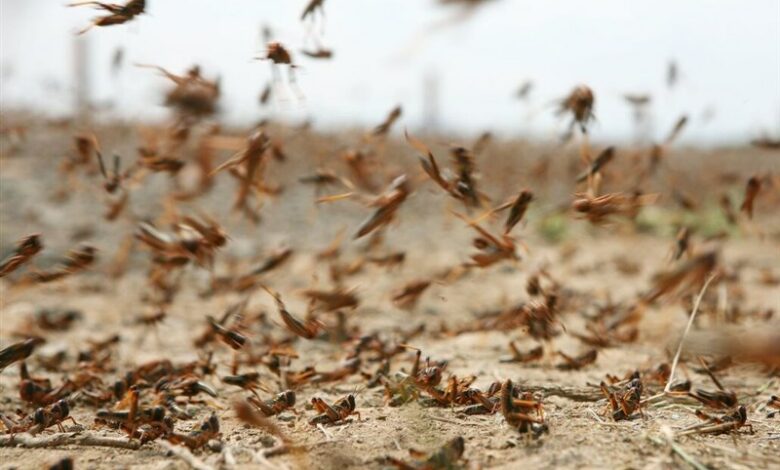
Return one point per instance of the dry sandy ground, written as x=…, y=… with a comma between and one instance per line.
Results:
x=581, y=435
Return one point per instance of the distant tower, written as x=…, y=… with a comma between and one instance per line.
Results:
x=81, y=85
x=431, y=102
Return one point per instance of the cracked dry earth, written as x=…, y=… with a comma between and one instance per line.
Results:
x=588, y=263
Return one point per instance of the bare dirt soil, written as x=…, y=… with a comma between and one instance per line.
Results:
x=615, y=263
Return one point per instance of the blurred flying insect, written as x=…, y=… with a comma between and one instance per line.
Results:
x=25, y=250
x=517, y=209
x=319, y=53
x=113, y=182
x=193, y=96
x=598, y=210
x=407, y=296
x=279, y=55
x=534, y=354
x=249, y=381
x=682, y=244
x=677, y=129
x=524, y=90
x=76, y=260
x=463, y=185
x=248, y=166
x=312, y=8
x=576, y=363
x=384, y=127
x=751, y=191
x=387, y=205
x=18, y=351
x=580, y=104
x=265, y=94
x=596, y=165
x=192, y=240
x=766, y=142
x=119, y=13
x=230, y=336
x=672, y=74
x=687, y=277
x=332, y=300
x=492, y=249
x=307, y=330
x=112, y=177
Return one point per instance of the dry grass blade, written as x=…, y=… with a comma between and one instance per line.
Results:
x=685, y=333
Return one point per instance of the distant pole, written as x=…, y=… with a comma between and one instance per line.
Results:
x=81, y=85
x=431, y=102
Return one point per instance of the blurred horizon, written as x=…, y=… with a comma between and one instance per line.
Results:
x=454, y=70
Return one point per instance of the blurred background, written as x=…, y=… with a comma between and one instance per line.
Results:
x=456, y=67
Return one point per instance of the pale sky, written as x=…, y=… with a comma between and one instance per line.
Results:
x=728, y=54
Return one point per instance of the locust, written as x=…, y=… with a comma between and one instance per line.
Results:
x=25, y=250
x=626, y=400
x=463, y=185
x=517, y=209
x=407, y=296
x=719, y=425
x=534, y=354
x=516, y=411
x=580, y=104
x=576, y=363
x=249, y=381
x=76, y=260
x=599, y=210
x=751, y=191
x=335, y=414
x=117, y=13
x=192, y=96
x=387, y=205
x=685, y=277
x=329, y=301
x=43, y=418
x=307, y=330
x=248, y=166
x=492, y=249
x=597, y=165
x=384, y=127
x=682, y=244
x=281, y=402
x=200, y=436
x=446, y=457
x=18, y=351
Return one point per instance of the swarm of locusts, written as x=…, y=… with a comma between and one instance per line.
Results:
x=259, y=366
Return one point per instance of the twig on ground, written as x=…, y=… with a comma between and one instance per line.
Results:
x=186, y=456
x=450, y=421
x=67, y=439
x=324, y=431
x=677, y=449
x=227, y=456
x=572, y=393
x=595, y=415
